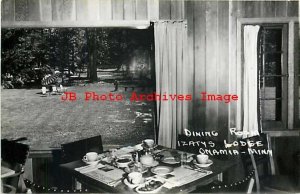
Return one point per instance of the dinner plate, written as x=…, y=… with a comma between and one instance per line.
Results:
x=162, y=170
x=209, y=162
x=170, y=160
x=130, y=185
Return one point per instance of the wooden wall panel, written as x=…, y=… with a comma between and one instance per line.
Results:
x=81, y=9
x=280, y=9
x=211, y=63
x=105, y=9
x=69, y=10
x=8, y=10
x=212, y=35
x=190, y=60
x=63, y=10
x=200, y=61
x=153, y=9
x=117, y=9
x=21, y=10
x=165, y=9
x=268, y=9
x=177, y=9
x=90, y=10
x=292, y=8
x=129, y=10
x=233, y=11
x=87, y=10
x=141, y=10
x=46, y=10
x=34, y=11
x=223, y=64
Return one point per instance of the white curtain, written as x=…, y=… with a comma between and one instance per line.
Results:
x=171, y=78
x=250, y=85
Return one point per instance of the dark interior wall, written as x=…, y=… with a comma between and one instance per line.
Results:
x=212, y=40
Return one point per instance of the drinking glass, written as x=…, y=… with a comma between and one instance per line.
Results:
x=183, y=160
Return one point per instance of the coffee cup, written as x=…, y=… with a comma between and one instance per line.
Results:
x=135, y=177
x=90, y=157
x=149, y=142
x=202, y=158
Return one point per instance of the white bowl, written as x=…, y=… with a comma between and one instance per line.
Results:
x=123, y=162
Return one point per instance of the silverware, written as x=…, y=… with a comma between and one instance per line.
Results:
x=196, y=168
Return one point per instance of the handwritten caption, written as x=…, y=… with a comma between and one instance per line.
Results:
x=210, y=147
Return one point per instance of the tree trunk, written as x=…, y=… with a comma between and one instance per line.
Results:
x=92, y=65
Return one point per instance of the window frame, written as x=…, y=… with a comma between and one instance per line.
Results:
x=284, y=79
x=292, y=112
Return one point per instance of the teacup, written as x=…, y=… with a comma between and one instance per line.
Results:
x=149, y=142
x=135, y=177
x=90, y=157
x=202, y=158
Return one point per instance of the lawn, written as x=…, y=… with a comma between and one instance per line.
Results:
x=49, y=121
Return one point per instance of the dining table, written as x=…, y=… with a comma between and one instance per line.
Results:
x=196, y=177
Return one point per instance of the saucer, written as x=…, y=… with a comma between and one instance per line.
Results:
x=91, y=163
x=155, y=163
x=209, y=162
x=130, y=185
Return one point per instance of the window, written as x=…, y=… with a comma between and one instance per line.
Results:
x=273, y=75
x=279, y=72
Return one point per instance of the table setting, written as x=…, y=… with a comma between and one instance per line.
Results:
x=145, y=167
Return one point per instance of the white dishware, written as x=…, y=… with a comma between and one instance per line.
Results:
x=138, y=147
x=155, y=163
x=170, y=160
x=202, y=158
x=135, y=177
x=147, y=159
x=92, y=163
x=149, y=143
x=162, y=170
x=123, y=162
x=149, y=183
x=130, y=185
x=207, y=164
x=90, y=156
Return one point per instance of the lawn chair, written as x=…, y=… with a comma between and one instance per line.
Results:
x=44, y=91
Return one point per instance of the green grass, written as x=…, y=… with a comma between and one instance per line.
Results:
x=49, y=122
